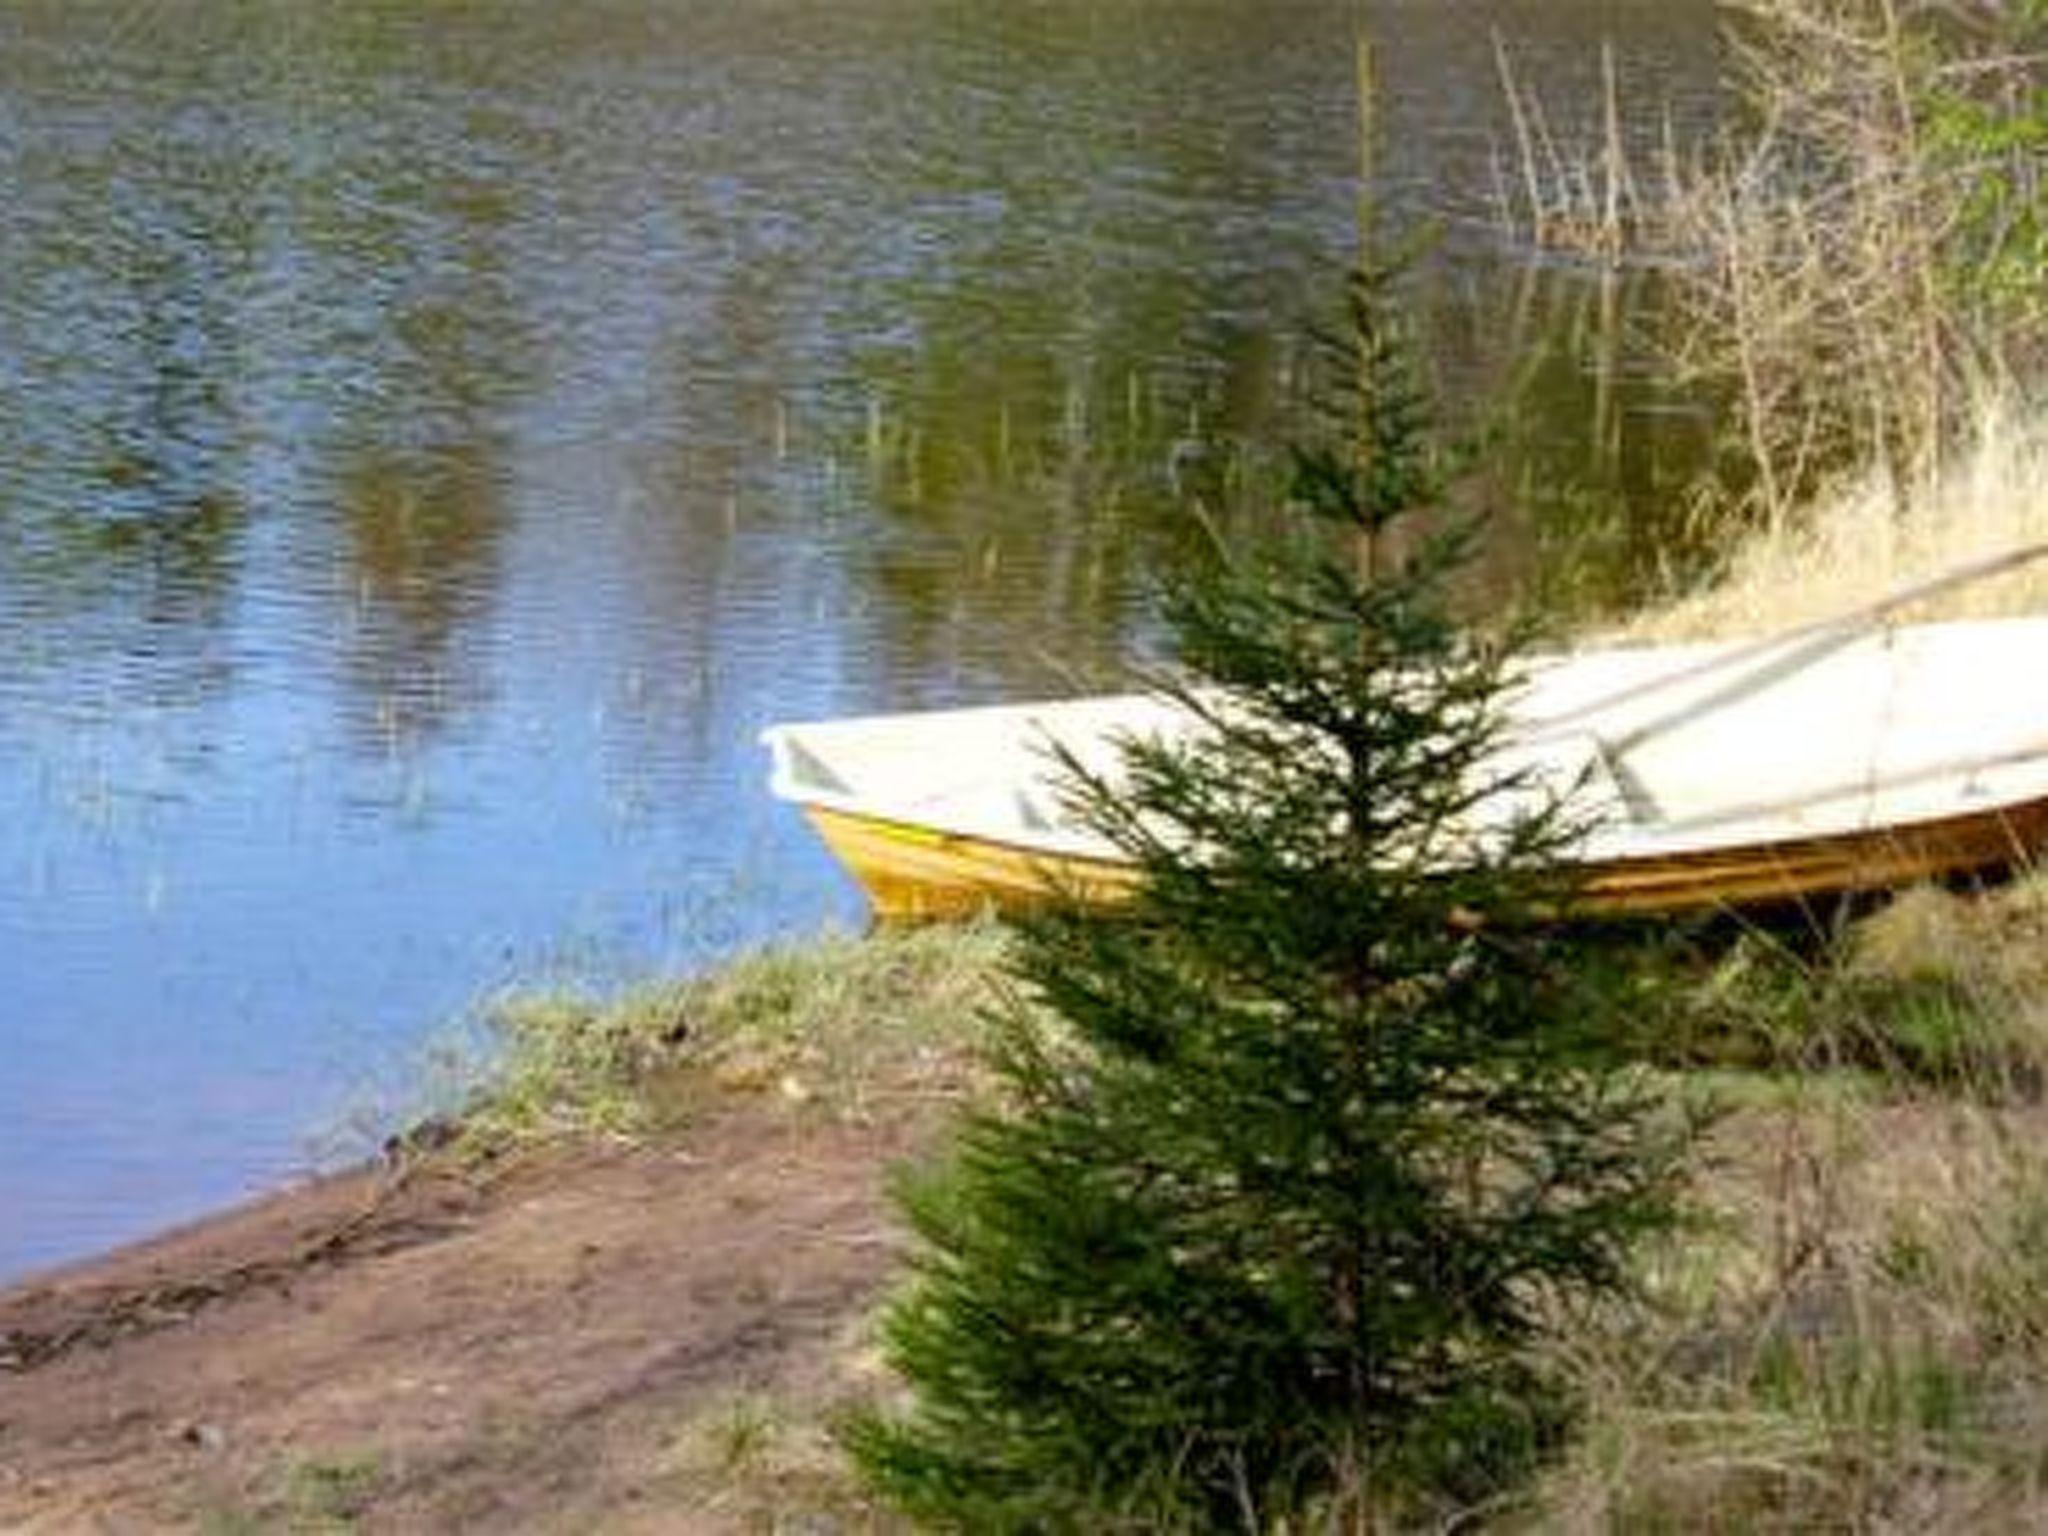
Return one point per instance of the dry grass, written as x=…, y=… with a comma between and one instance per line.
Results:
x=770, y=1461
x=1936, y=991
x=1871, y=537
x=1855, y=1336
x=1855, y=1343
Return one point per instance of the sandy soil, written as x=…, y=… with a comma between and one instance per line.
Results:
x=424, y=1348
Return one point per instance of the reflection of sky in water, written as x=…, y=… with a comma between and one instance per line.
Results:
x=434, y=442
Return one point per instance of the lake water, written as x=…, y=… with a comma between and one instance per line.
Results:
x=435, y=439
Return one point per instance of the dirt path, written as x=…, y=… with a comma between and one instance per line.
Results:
x=530, y=1350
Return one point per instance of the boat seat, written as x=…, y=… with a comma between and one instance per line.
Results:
x=1581, y=769
x=1628, y=786
x=1035, y=816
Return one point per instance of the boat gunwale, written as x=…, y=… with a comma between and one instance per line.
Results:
x=1788, y=869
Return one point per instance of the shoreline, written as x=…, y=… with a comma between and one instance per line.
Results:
x=314, y=1210
x=638, y=1289
x=629, y=1292
x=434, y=1346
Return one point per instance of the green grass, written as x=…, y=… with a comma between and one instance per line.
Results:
x=851, y=1027
x=330, y=1492
x=309, y=1495
x=1936, y=989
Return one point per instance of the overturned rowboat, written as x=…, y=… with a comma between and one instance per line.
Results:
x=1816, y=764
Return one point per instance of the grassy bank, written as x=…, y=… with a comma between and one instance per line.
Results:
x=849, y=1027
x=1853, y=1335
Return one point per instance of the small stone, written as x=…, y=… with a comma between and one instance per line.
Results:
x=204, y=1437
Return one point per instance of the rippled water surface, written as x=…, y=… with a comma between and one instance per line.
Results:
x=434, y=439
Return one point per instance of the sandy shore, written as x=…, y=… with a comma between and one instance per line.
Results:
x=432, y=1347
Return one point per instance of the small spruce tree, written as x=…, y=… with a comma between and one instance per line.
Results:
x=1292, y=1158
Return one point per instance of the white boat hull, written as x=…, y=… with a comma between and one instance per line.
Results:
x=1711, y=775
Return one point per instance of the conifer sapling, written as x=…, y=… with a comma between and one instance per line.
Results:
x=1292, y=1159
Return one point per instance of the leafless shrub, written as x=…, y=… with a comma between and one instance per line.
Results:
x=1848, y=238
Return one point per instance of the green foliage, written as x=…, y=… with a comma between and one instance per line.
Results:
x=1930, y=990
x=1333, y=1125
x=1987, y=127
